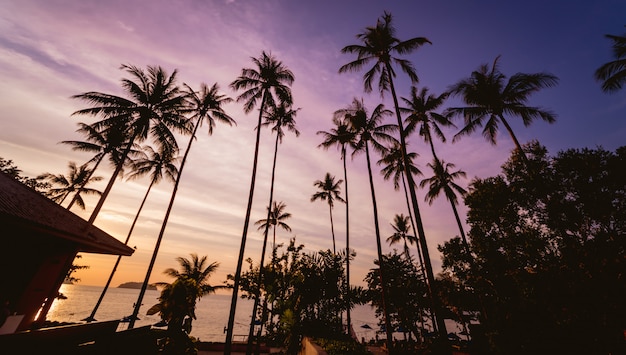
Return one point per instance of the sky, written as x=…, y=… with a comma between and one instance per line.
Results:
x=53, y=49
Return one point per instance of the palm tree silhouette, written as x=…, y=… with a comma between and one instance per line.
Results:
x=76, y=178
x=159, y=165
x=329, y=191
x=154, y=106
x=342, y=136
x=612, y=74
x=368, y=129
x=380, y=45
x=205, y=107
x=277, y=216
x=489, y=96
x=421, y=116
x=443, y=181
x=270, y=80
x=110, y=141
x=281, y=117
x=401, y=226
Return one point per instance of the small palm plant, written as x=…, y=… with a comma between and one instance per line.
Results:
x=177, y=303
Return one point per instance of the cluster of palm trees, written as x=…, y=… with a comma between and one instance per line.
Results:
x=155, y=109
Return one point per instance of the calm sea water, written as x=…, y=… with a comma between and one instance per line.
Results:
x=212, y=311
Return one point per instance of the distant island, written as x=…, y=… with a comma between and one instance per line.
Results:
x=136, y=285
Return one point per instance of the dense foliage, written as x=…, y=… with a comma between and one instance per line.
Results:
x=548, y=244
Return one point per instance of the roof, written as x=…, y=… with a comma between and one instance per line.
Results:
x=26, y=209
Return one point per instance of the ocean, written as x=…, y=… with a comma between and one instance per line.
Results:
x=211, y=311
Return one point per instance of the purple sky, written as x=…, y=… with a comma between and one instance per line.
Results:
x=50, y=50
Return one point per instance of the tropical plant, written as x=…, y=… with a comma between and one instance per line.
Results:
x=489, y=96
x=63, y=185
x=109, y=141
x=421, y=116
x=277, y=216
x=369, y=130
x=263, y=85
x=341, y=135
x=613, y=74
x=153, y=107
x=177, y=303
x=443, y=181
x=401, y=226
x=206, y=107
x=380, y=45
x=329, y=190
x=159, y=165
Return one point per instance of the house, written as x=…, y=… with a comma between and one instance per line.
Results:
x=39, y=241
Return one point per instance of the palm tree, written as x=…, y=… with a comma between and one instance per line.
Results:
x=266, y=83
x=613, y=74
x=206, y=107
x=379, y=45
x=76, y=178
x=420, y=108
x=159, y=165
x=443, y=180
x=153, y=108
x=109, y=141
x=489, y=96
x=177, y=303
x=368, y=129
x=401, y=225
x=277, y=216
x=329, y=191
x=342, y=136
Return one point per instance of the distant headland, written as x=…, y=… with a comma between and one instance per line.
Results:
x=136, y=285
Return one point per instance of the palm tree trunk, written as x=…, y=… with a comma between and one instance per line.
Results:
x=383, y=286
x=155, y=252
x=105, y=194
x=332, y=229
x=458, y=222
x=267, y=226
x=91, y=317
x=420, y=227
x=237, y=280
x=515, y=141
x=80, y=189
x=345, y=179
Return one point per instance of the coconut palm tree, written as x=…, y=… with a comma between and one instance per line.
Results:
x=64, y=185
x=205, y=107
x=342, y=136
x=393, y=168
x=108, y=142
x=153, y=107
x=379, y=45
x=613, y=74
x=158, y=165
x=443, y=181
x=401, y=226
x=277, y=216
x=489, y=96
x=177, y=303
x=369, y=130
x=421, y=116
x=329, y=190
x=263, y=85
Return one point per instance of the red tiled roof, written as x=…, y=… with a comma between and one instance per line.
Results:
x=24, y=208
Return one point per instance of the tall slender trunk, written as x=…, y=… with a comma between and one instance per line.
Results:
x=155, y=252
x=345, y=179
x=233, y=301
x=332, y=229
x=105, y=194
x=91, y=317
x=267, y=226
x=515, y=141
x=82, y=186
x=458, y=222
x=420, y=227
x=381, y=262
